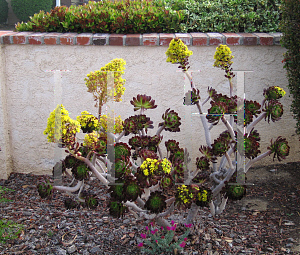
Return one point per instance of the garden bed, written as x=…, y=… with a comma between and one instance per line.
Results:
x=266, y=221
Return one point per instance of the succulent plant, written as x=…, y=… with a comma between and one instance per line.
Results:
x=135, y=142
x=45, y=189
x=135, y=123
x=116, y=190
x=70, y=161
x=216, y=111
x=184, y=196
x=253, y=107
x=143, y=122
x=122, y=150
x=203, y=197
x=80, y=171
x=91, y=201
x=208, y=153
x=156, y=203
x=117, y=209
x=166, y=181
x=274, y=110
x=235, y=191
x=144, y=154
x=274, y=93
x=71, y=204
x=143, y=102
x=178, y=53
x=171, y=121
x=251, y=144
x=172, y=146
x=280, y=148
x=88, y=122
x=220, y=146
x=132, y=189
x=202, y=163
x=122, y=167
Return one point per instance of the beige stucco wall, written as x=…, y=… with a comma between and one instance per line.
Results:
x=27, y=94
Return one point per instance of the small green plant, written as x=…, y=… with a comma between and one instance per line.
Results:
x=50, y=233
x=163, y=243
x=2, y=191
x=9, y=230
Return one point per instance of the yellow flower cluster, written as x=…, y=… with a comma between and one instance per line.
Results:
x=88, y=120
x=118, y=125
x=96, y=82
x=177, y=52
x=166, y=165
x=149, y=166
x=62, y=130
x=280, y=91
x=90, y=140
x=184, y=194
x=223, y=57
x=202, y=196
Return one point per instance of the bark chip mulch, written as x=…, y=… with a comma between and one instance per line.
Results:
x=266, y=221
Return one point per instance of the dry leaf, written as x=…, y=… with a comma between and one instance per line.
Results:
x=25, y=186
x=123, y=237
x=122, y=227
x=131, y=234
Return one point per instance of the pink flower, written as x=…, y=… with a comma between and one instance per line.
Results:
x=185, y=239
x=182, y=244
x=143, y=236
x=151, y=223
x=188, y=225
x=140, y=244
x=153, y=232
x=168, y=228
x=163, y=237
x=147, y=228
x=162, y=228
x=172, y=222
x=156, y=241
x=174, y=227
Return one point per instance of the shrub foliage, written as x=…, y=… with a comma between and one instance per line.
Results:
x=3, y=11
x=168, y=16
x=26, y=8
x=290, y=27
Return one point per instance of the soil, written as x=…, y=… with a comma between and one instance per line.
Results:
x=275, y=189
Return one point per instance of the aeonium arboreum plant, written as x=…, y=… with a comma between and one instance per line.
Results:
x=140, y=178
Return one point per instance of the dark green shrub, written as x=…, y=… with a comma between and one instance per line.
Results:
x=290, y=27
x=26, y=8
x=3, y=11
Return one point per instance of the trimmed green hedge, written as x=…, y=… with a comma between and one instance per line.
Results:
x=290, y=27
x=3, y=11
x=26, y=8
x=169, y=16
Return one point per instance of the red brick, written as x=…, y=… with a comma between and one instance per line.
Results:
x=165, y=39
x=116, y=39
x=150, y=39
x=100, y=39
x=5, y=38
x=68, y=39
x=199, y=39
x=249, y=39
x=232, y=39
x=185, y=38
x=215, y=38
x=84, y=39
x=265, y=39
x=36, y=38
x=20, y=38
x=133, y=40
x=52, y=38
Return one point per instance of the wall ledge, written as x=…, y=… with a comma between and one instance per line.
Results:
x=153, y=39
